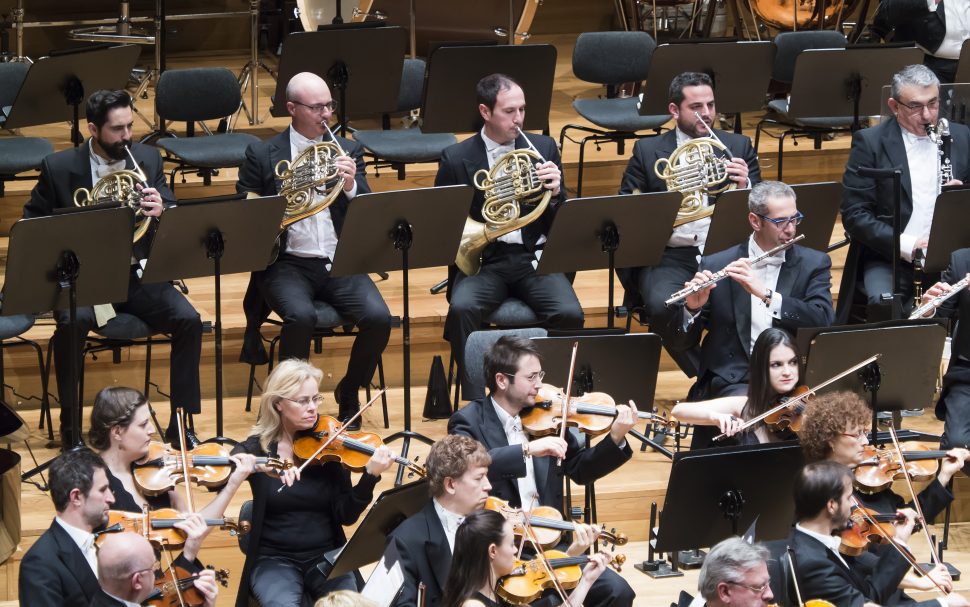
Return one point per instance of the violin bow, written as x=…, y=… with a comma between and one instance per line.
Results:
x=530, y=536
x=171, y=567
x=334, y=436
x=567, y=396
x=934, y=558
x=794, y=401
x=183, y=455
x=892, y=541
x=794, y=576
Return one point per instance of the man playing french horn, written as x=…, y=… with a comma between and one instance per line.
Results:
x=64, y=177
x=507, y=263
x=301, y=273
x=691, y=104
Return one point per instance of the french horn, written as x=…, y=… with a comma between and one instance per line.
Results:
x=511, y=183
x=119, y=187
x=695, y=169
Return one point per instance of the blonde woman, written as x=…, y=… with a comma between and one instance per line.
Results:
x=293, y=528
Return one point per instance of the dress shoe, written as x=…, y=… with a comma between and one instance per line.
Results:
x=348, y=404
x=172, y=438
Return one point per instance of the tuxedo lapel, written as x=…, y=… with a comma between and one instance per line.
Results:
x=895, y=150
x=477, y=158
x=789, y=272
x=80, y=176
x=492, y=430
x=741, y=301
x=279, y=150
x=74, y=561
x=436, y=546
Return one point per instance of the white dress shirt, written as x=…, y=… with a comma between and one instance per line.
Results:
x=101, y=167
x=85, y=543
x=450, y=521
x=694, y=233
x=528, y=492
x=494, y=151
x=957, y=27
x=830, y=541
x=314, y=236
x=767, y=271
x=921, y=156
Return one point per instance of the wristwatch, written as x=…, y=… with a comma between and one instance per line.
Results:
x=767, y=298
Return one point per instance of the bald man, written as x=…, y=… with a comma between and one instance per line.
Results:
x=301, y=274
x=126, y=571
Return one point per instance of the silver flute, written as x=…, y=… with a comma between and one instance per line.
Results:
x=939, y=299
x=722, y=274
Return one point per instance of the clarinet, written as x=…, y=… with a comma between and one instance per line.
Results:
x=939, y=299
x=946, y=166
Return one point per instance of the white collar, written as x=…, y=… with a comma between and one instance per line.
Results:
x=98, y=160
x=121, y=600
x=297, y=138
x=912, y=138
x=830, y=541
x=503, y=416
x=450, y=519
x=491, y=144
x=82, y=538
x=755, y=250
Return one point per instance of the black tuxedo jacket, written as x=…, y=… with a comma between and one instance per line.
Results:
x=867, y=203
x=914, y=21
x=460, y=162
x=640, y=176
x=478, y=420
x=804, y=283
x=958, y=306
x=101, y=599
x=54, y=572
x=62, y=173
x=425, y=556
x=258, y=175
x=822, y=576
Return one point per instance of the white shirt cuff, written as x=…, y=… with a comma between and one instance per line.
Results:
x=775, y=306
x=906, y=244
x=689, y=317
x=353, y=191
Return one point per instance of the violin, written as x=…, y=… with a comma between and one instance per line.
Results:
x=529, y=579
x=176, y=588
x=861, y=530
x=209, y=466
x=592, y=412
x=546, y=522
x=158, y=526
x=352, y=449
x=882, y=466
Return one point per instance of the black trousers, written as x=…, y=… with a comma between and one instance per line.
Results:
x=954, y=404
x=290, y=287
x=163, y=309
x=657, y=283
x=507, y=271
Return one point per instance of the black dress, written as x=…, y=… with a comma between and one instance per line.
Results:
x=125, y=501
x=478, y=596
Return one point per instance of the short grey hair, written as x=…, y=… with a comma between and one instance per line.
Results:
x=728, y=561
x=913, y=75
x=761, y=192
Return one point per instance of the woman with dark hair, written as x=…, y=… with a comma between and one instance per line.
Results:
x=121, y=431
x=485, y=552
x=774, y=374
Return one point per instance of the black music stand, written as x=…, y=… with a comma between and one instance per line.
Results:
x=954, y=101
x=212, y=237
x=818, y=201
x=609, y=232
x=741, y=72
x=367, y=544
x=402, y=230
x=56, y=86
x=63, y=261
x=450, y=104
x=716, y=493
x=948, y=232
x=361, y=63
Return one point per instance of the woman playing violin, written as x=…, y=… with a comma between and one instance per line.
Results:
x=485, y=552
x=121, y=432
x=774, y=374
x=293, y=527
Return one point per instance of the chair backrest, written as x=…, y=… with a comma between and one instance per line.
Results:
x=789, y=46
x=245, y=515
x=12, y=75
x=195, y=94
x=612, y=57
x=477, y=345
x=412, y=85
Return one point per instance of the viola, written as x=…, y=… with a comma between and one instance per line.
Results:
x=176, y=588
x=592, y=412
x=352, y=449
x=529, y=579
x=158, y=526
x=861, y=530
x=881, y=467
x=790, y=418
x=209, y=466
x=546, y=522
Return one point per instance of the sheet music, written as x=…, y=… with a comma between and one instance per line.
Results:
x=386, y=581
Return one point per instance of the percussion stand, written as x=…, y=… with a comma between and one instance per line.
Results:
x=250, y=72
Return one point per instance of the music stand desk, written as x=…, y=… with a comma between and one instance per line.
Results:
x=949, y=230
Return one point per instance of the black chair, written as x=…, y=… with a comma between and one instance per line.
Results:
x=329, y=324
x=12, y=329
x=17, y=154
x=611, y=58
x=397, y=148
x=196, y=95
x=781, y=112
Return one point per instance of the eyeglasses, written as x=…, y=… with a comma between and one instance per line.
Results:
x=755, y=589
x=535, y=378
x=155, y=569
x=306, y=402
x=319, y=108
x=781, y=222
x=917, y=108
x=857, y=435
